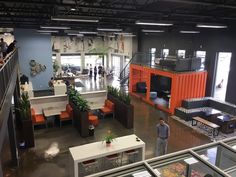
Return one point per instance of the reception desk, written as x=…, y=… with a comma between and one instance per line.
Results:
x=59, y=87
x=99, y=150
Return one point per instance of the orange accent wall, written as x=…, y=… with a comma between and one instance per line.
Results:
x=183, y=85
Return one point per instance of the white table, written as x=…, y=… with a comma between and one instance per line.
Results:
x=49, y=112
x=98, y=150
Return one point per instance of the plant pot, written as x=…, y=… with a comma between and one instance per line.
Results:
x=108, y=143
x=124, y=113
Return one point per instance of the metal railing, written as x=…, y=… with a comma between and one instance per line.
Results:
x=6, y=72
x=140, y=58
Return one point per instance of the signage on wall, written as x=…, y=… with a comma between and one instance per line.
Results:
x=36, y=68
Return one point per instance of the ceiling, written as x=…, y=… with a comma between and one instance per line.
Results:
x=185, y=14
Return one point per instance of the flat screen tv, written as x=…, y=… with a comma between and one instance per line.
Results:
x=160, y=83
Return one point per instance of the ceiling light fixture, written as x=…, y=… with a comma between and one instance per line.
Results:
x=153, y=23
x=129, y=35
x=153, y=31
x=73, y=9
x=75, y=34
x=74, y=19
x=7, y=34
x=189, y=32
x=123, y=33
x=47, y=31
x=88, y=32
x=55, y=27
x=211, y=26
x=109, y=29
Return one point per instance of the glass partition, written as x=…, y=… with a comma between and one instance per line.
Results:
x=219, y=156
x=181, y=166
x=133, y=171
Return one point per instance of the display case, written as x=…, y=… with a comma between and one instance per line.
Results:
x=216, y=159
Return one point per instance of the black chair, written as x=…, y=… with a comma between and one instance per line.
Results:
x=141, y=87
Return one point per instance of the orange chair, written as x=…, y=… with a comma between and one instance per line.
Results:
x=37, y=119
x=109, y=108
x=93, y=119
x=67, y=114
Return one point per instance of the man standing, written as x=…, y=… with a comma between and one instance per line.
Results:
x=3, y=47
x=163, y=133
x=11, y=47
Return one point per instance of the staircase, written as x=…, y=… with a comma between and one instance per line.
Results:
x=141, y=58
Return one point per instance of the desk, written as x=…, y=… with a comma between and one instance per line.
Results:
x=98, y=150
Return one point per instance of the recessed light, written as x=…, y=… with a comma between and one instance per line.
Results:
x=153, y=31
x=153, y=23
x=73, y=9
x=109, y=29
x=211, y=26
x=189, y=32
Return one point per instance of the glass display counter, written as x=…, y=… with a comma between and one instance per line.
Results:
x=217, y=159
x=219, y=156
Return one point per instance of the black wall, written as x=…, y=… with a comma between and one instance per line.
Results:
x=211, y=41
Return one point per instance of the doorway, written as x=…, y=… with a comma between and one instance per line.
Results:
x=222, y=73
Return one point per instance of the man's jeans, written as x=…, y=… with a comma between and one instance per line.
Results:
x=161, y=146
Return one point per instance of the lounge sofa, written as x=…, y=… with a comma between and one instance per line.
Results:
x=195, y=107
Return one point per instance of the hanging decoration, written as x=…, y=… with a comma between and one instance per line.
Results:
x=36, y=68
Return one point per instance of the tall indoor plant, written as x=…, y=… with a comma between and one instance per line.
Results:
x=26, y=128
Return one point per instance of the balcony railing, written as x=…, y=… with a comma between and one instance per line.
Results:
x=6, y=73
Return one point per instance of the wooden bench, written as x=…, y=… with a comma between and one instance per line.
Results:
x=214, y=127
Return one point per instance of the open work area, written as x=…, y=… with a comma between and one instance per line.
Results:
x=117, y=88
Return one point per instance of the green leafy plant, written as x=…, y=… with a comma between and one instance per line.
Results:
x=55, y=66
x=124, y=97
x=79, y=102
x=24, y=106
x=109, y=137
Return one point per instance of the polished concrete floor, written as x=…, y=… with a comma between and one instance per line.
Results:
x=50, y=157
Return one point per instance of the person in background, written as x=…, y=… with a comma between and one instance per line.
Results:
x=50, y=83
x=3, y=48
x=99, y=70
x=90, y=71
x=11, y=47
x=103, y=72
x=24, y=79
x=163, y=133
x=95, y=72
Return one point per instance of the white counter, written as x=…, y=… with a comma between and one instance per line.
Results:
x=98, y=150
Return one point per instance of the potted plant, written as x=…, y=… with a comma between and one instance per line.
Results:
x=109, y=137
x=26, y=125
x=124, y=110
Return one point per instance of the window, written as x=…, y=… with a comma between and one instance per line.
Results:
x=165, y=53
x=71, y=63
x=202, y=55
x=181, y=53
x=95, y=60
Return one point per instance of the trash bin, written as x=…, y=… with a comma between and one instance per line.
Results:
x=91, y=130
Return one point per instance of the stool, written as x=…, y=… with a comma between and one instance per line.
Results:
x=93, y=120
x=131, y=154
x=90, y=166
x=114, y=160
x=153, y=95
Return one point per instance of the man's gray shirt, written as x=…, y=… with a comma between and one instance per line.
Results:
x=163, y=131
